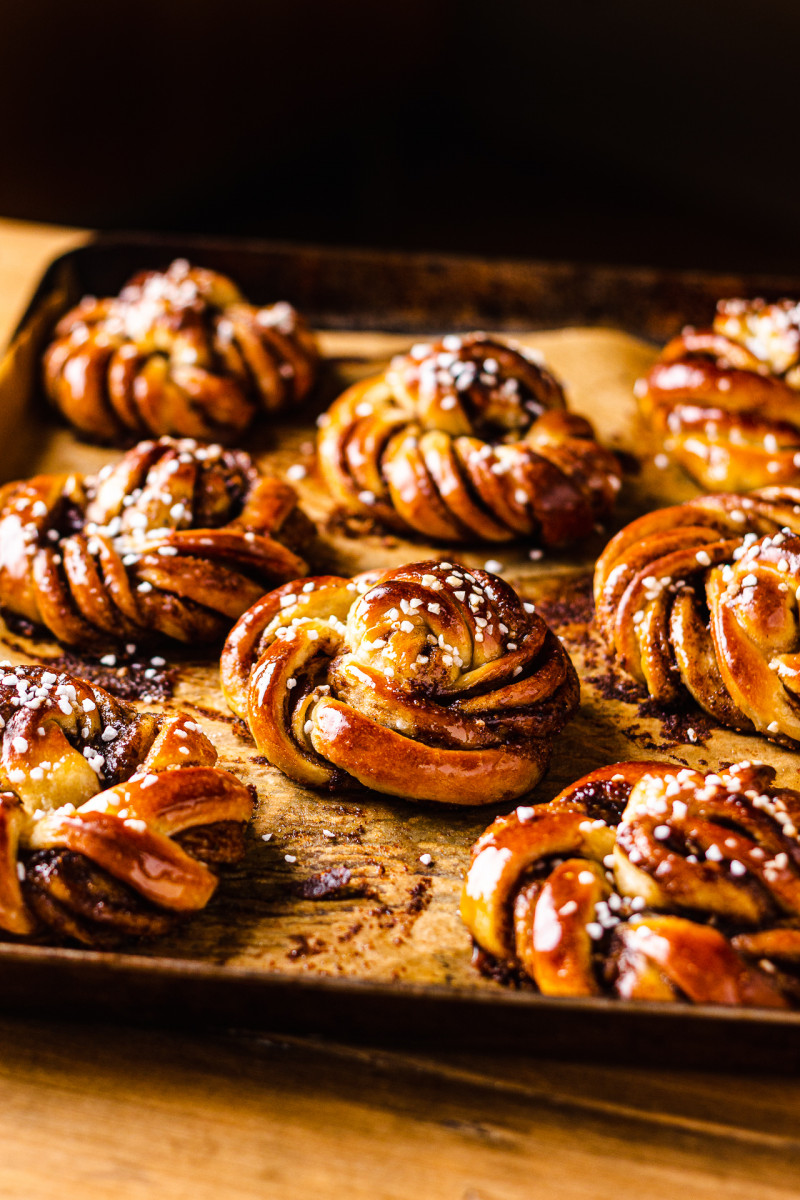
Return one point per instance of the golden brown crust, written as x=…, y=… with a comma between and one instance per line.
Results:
x=693, y=893
x=727, y=399
x=93, y=809
x=175, y=540
x=177, y=352
x=701, y=598
x=430, y=681
x=467, y=439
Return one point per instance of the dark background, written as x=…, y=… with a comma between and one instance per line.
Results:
x=624, y=131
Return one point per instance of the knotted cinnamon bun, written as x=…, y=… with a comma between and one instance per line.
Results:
x=100, y=837
x=727, y=398
x=648, y=882
x=467, y=439
x=431, y=682
x=702, y=599
x=177, y=539
x=177, y=352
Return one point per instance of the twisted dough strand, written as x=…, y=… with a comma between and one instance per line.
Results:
x=93, y=812
x=177, y=539
x=177, y=352
x=467, y=439
x=431, y=682
x=727, y=399
x=701, y=598
x=650, y=882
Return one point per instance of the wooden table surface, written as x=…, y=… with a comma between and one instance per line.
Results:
x=90, y=1112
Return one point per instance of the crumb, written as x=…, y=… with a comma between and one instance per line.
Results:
x=324, y=884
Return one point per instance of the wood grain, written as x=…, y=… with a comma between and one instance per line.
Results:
x=143, y=1115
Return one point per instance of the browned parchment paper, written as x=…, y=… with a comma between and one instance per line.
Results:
x=395, y=918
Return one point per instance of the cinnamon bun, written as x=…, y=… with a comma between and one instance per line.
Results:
x=727, y=398
x=464, y=440
x=176, y=540
x=430, y=682
x=101, y=837
x=647, y=882
x=177, y=352
x=700, y=600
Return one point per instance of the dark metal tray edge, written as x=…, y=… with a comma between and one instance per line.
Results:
x=46, y=981
x=361, y=288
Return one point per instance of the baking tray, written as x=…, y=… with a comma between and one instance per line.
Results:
x=384, y=958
